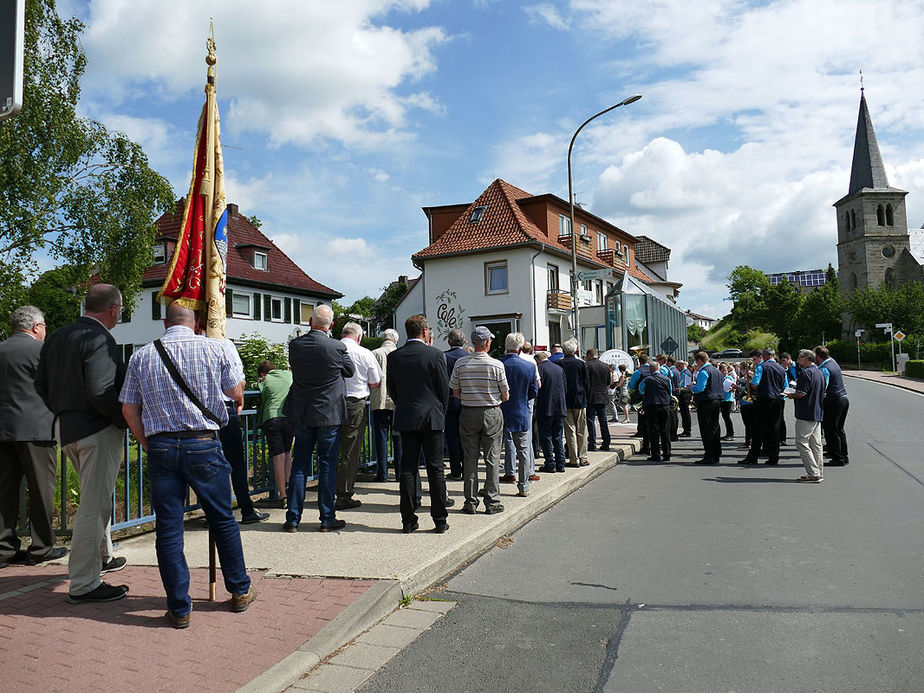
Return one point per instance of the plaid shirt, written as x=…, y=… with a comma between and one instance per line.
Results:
x=205, y=366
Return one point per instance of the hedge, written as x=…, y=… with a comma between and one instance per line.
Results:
x=914, y=369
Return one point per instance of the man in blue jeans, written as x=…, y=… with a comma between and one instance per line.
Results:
x=181, y=439
x=317, y=405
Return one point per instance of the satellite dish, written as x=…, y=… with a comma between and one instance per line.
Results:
x=690, y=321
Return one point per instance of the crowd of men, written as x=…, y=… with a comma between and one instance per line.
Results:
x=181, y=397
x=814, y=381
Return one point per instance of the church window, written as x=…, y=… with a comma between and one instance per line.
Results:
x=889, y=278
x=853, y=219
x=880, y=215
x=888, y=250
x=890, y=216
x=853, y=281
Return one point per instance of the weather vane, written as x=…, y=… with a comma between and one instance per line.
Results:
x=861, y=81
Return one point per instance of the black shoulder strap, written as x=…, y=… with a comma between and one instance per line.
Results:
x=178, y=379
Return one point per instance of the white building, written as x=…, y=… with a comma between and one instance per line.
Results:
x=504, y=261
x=266, y=292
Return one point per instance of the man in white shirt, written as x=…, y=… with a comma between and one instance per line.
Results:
x=366, y=377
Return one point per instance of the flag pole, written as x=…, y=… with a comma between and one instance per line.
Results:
x=210, y=60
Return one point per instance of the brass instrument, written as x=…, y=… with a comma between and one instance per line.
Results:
x=748, y=374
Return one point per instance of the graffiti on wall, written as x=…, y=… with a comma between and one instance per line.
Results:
x=449, y=313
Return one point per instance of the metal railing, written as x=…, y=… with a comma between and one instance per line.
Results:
x=131, y=499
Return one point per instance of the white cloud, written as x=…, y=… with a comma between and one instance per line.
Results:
x=545, y=13
x=298, y=72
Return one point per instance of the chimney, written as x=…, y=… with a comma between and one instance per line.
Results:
x=402, y=279
x=232, y=209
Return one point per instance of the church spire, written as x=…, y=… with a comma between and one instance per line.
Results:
x=868, y=170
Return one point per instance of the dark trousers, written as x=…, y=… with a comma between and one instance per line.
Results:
x=673, y=421
x=431, y=444
x=454, y=442
x=683, y=396
x=643, y=429
x=747, y=418
x=232, y=444
x=598, y=412
x=381, y=426
x=726, y=417
x=783, y=423
x=352, y=433
x=36, y=462
x=832, y=424
x=707, y=416
x=327, y=439
x=657, y=418
x=550, y=437
x=765, y=430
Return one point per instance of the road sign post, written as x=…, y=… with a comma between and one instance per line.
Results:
x=858, y=334
x=887, y=326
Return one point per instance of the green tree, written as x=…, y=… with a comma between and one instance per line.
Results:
x=254, y=350
x=383, y=310
x=902, y=306
x=695, y=333
x=57, y=293
x=819, y=316
x=783, y=302
x=748, y=289
x=69, y=189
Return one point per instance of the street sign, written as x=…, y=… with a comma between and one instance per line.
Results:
x=775, y=341
x=590, y=275
x=668, y=346
x=858, y=334
x=899, y=335
x=887, y=326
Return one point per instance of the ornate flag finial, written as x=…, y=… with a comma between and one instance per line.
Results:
x=861, y=82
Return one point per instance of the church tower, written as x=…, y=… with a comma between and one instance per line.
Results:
x=872, y=228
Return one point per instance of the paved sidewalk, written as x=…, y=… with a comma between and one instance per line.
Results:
x=316, y=592
x=904, y=382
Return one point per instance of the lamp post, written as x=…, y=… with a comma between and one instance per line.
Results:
x=574, y=270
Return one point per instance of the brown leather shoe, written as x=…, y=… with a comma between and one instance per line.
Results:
x=240, y=602
x=178, y=622
x=534, y=477
x=508, y=479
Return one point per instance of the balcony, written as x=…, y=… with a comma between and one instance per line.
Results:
x=583, y=245
x=558, y=300
x=611, y=258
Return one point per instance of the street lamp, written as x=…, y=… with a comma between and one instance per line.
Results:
x=574, y=270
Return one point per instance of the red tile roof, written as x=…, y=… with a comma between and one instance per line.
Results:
x=281, y=272
x=504, y=224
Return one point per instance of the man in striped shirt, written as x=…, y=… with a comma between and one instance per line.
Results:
x=480, y=382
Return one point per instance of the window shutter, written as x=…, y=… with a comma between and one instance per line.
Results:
x=287, y=310
x=256, y=306
x=155, y=306
x=267, y=308
x=126, y=315
x=229, y=302
x=297, y=311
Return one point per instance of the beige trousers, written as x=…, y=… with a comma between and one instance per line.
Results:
x=97, y=459
x=576, y=435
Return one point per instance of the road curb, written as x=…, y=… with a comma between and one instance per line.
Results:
x=511, y=521
x=900, y=386
x=370, y=608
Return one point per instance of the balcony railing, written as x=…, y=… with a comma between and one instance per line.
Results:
x=583, y=247
x=131, y=498
x=558, y=300
x=611, y=258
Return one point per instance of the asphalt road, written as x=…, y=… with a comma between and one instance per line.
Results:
x=671, y=577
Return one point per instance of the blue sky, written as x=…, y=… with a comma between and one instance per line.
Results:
x=340, y=120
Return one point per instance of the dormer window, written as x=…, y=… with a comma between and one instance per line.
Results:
x=159, y=250
x=478, y=212
x=259, y=260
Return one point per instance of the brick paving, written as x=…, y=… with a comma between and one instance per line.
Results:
x=50, y=645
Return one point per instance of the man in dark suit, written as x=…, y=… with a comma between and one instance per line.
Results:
x=576, y=402
x=550, y=413
x=79, y=377
x=27, y=446
x=419, y=386
x=598, y=381
x=456, y=341
x=317, y=406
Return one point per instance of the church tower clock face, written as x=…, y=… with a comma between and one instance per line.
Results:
x=888, y=251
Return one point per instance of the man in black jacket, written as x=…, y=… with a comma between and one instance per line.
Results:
x=598, y=381
x=455, y=351
x=576, y=402
x=656, y=392
x=550, y=413
x=27, y=446
x=317, y=405
x=418, y=384
x=79, y=377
